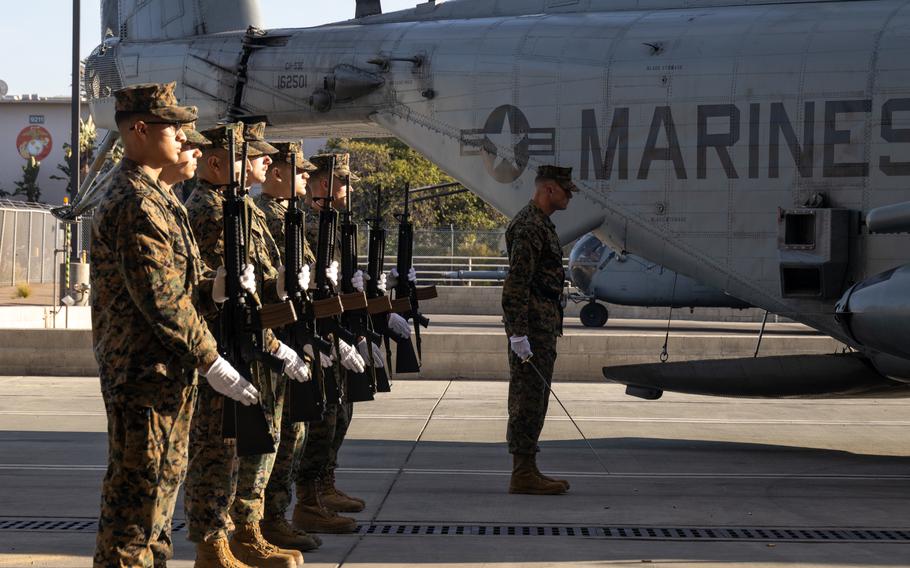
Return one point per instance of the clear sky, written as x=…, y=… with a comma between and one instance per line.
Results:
x=36, y=35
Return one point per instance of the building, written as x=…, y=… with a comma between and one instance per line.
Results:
x=38, y=126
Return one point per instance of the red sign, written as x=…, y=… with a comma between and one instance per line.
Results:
x=34, y=141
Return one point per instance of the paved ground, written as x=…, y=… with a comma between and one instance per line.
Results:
x=431, y=456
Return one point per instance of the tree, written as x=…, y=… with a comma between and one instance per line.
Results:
x=87, y=136
x=28, y=185
x=390, y=164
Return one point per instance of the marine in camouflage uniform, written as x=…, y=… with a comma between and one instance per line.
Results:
x=533, y=313
x=316, y=491
x=224, y=491
x=272, y=202
x=149, y=338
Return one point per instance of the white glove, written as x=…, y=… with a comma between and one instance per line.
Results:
x=247, y=282
x=325, y=361
x=294, y=366
x=358, y=280
x=227, y=381
x=382, y=283
x=364, y=347
x=303, y=280
x=399, y=326
x=332, y=273
x=521, y=347
x=350, y=359
x=393, y=277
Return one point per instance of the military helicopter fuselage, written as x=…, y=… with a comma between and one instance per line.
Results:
x=740, y=145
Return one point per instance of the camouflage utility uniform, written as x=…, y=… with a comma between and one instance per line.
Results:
x=149, y=339
x=324, y=439
x=531, y=304
x=290, y=449
x=212, y=502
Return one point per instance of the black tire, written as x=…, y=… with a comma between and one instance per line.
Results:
x=594, y=315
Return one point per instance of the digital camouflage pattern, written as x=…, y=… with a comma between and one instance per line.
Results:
x=286, y=150
x=531, y=291
x=323, y=163
x=157, y=99
x=254, y=133
x=324, y=438
x=529, y=396
x=194, y=137
x=148, y=438
x=562, y=176
x=149, y=338
x=274, y=210
x=222, y=490
x=290, y=447
x=218, y=136
x=531, y=307
x=147, y=287
x=206, y=209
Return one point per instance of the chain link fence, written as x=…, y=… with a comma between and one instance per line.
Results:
x=32, y=241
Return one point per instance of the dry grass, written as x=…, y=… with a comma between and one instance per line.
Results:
x=23, y=290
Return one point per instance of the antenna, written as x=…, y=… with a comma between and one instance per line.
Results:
x=368, y=8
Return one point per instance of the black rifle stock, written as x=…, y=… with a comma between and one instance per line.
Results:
x=325, y=291
x=242, y=336
x=361, y=386
x=406, y=360
x=307, y=400
x=404, y=288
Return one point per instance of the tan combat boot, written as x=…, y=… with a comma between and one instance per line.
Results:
x=337, y=500
x=216, y=554
x=526, y=481
x=248, y=545
x=547, y=477
x=312, y=516
x=279, y=532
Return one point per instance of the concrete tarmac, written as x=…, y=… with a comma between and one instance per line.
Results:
x=689, y=481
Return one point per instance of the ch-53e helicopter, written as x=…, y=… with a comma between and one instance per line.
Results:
x=760, y=147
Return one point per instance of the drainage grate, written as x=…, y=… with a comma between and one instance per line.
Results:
x=775, y=534
x=761, y=534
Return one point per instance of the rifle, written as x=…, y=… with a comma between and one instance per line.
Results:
x=242, y=334
x=405, y=289
x=325, y=291
x=379, y=304
x=361, y=386
x=307, y=400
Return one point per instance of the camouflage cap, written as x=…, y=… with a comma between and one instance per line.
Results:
x=218, y=136
x=254, y=133
x=285, y=149
x=193, y=136
x=562, y=176
x=157, y=99
x=342, y=164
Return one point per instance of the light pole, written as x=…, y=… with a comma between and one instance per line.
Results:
x=75, y=163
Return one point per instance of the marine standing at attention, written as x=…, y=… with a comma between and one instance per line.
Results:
x=276, y=190
x=148, y=331
x=532, y=312
x=318, y=499
x=225, y=494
